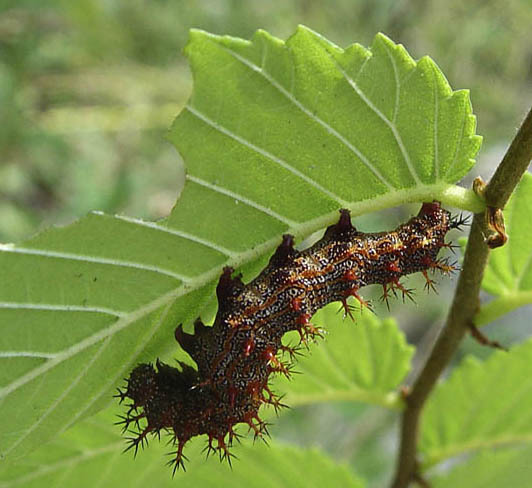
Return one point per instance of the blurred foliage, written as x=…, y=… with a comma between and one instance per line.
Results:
x=88, y=88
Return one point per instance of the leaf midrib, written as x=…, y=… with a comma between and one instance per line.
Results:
x=453, y=450
x=442, y=191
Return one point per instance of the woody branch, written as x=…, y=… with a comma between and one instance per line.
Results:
x=465, y=301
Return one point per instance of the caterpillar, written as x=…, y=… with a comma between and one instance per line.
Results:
x=236, y=356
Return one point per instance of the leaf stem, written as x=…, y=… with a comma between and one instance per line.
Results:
x=390, y=400
x=501, y=306
x=474, y=446
x=465, y=301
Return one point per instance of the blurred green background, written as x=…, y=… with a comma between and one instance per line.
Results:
x=88, y=89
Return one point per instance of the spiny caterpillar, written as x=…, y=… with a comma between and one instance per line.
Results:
x=236, y=356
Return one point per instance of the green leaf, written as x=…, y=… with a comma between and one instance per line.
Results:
x=483, y=404
x=362, y=362
x=500, y=468
x=305, y=127
x=508, y=275
x=80, y=305
x=277, y=137
x=90, y=454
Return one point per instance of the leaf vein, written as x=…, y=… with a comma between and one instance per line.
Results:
x=313, y=117
x=524, y=271
x=176, y=232
x=61, y=397
x=61, y=308
x=397, y=84
x=264, y=153
x=334, y=367
x=125, y=365
x=93, y=259
x=458, y=144
x=388, y=122
x=65, y=463
x=240, y=198
x=436, y=115
x=27, y=354
x=65, y=354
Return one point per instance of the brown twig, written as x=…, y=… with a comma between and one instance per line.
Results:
x=465, y=302
x=483, y=339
